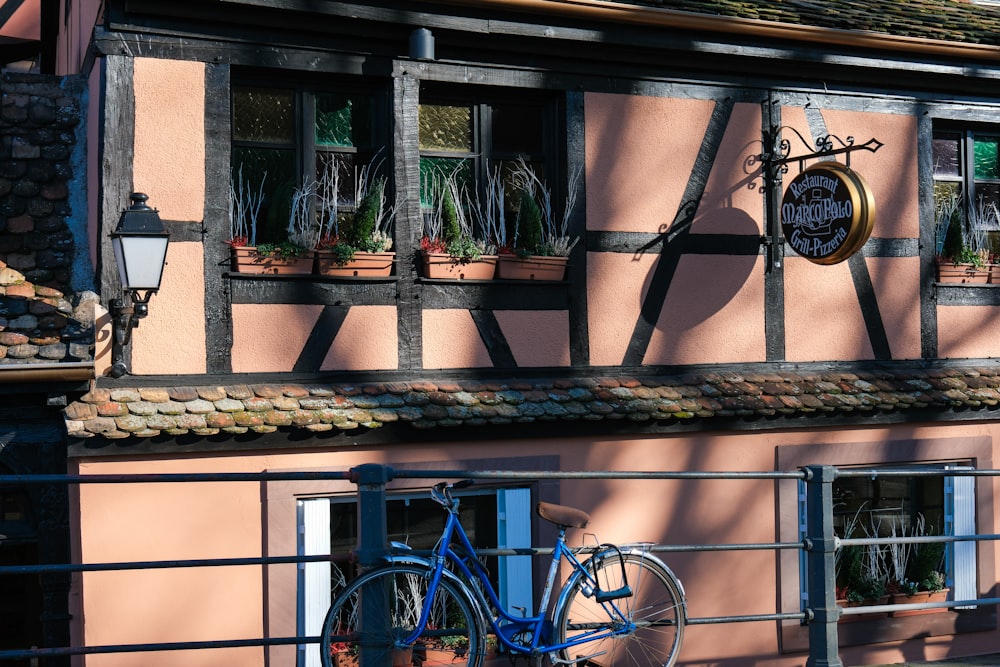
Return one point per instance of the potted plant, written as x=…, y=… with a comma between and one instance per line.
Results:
x=924, y=581
x=244, y=213
x=358, y=243
x=861, y=579
x=963, y=246
x=293, y=256
x=449, y=248
x=541, y=246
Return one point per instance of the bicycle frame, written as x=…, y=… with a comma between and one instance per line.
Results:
x=505, y=626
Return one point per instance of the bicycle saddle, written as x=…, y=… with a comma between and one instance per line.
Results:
x=562, y=516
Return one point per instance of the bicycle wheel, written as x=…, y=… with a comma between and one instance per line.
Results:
x=655, y=607
x=378, y=611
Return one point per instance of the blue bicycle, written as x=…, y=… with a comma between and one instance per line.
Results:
x=622, y=606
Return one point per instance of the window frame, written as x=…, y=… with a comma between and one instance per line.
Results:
x=306, y=90
x=967, y=182
x=483, y=100
x=895, y=452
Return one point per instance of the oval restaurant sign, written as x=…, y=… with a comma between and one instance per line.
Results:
x=827, y=213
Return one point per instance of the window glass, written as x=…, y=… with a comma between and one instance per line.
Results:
x=446, y=128
x=985, y=157
x=947, y=154
x=343, y=120
x=433, y=171
x=270, y=171
x=517, y=130
x=889, y=507
x=263, y=115
x=418, y=522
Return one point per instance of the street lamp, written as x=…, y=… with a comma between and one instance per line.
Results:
x=140, y=245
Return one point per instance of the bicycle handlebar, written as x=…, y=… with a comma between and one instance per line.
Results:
x=441, y=492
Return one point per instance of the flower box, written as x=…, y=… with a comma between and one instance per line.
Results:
x=919, y=597
x=445, y=267
x=362, y=265
x=246, y=259
x=533, y=267
x=963, y=273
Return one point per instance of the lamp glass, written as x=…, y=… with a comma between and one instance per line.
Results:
x=140, y=260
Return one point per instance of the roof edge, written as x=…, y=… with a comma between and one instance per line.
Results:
x=54, y=372
x=657, y=16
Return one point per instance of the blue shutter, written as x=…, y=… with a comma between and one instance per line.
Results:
x=514, y=532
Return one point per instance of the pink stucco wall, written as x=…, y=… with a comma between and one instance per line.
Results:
x=25, y=22
x=968, y=331
x=616, y=285
x=451, y=340
x=713, y=313
x=891, y=172
x=169, y=159
x=635, y=147
x=367, y=340
x=732, y=202
x=536, y=337
x=178, y=521
x=171, y=339
x=270, y=337
x=812, y=294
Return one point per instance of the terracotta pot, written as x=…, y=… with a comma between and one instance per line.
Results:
x=963, y=273
x=443, y=266
x=345, y=660
x=994, y=273
x=918, y=598
x=362, y=265
x=400, y=658
x=433, y=657
x=245, y=259
x=533, y=267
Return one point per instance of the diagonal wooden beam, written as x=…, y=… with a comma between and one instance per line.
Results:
x=674, y=239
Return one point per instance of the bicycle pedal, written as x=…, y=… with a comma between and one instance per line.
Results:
x=617, y=594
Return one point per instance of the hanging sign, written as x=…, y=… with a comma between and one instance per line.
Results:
x=827, y=213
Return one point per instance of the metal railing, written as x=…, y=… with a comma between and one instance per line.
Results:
x=819, y=543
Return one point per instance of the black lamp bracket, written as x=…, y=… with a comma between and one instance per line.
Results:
x=125, y=318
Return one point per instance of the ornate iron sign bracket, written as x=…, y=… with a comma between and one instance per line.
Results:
x=774, y=162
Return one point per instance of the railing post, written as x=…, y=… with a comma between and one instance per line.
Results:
x=373, y=542
x=821, y=580
x=373, y=529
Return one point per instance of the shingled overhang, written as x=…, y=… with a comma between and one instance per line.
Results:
x=709, y=400
x=947, y=27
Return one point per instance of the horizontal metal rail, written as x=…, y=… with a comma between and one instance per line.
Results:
x=811, y=545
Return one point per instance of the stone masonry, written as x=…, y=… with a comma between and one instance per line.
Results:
x=40, y=321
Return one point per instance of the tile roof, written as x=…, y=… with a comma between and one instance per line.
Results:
x=949, y=20
x=266, y=408
x=39, y=324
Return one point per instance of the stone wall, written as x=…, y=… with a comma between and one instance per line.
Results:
x=41, y=320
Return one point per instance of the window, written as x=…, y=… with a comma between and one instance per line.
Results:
x=967, y=193
x=470, y=139
x=887, y=507
x=284, y=136
x=491, y=517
